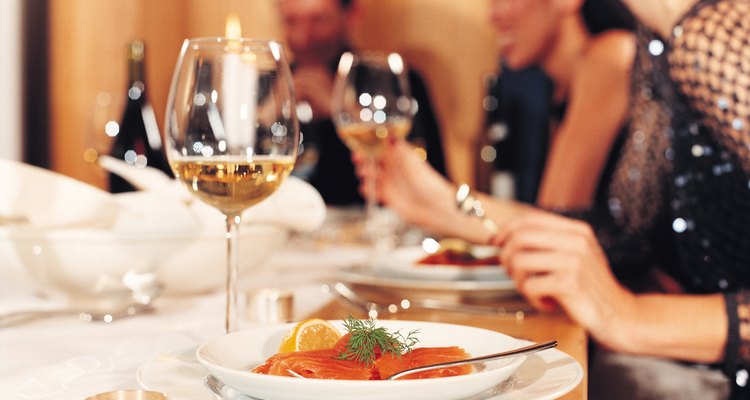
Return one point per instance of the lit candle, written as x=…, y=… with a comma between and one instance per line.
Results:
x=239, y=85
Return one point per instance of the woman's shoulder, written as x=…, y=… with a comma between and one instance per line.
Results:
x=604, y=68
x=612, y=50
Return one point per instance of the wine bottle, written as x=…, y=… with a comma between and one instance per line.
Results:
x=138, y=141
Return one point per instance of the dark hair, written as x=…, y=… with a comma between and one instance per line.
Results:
x=345, y=4
x=600, y=15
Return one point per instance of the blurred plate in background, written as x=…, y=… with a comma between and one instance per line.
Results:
x=403, y=262
x=370, y=281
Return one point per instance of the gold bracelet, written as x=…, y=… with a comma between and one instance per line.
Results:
x=470, y=205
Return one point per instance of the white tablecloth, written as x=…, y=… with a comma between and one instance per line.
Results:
x=63, y=358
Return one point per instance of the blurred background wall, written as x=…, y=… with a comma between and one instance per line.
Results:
x=450, y=42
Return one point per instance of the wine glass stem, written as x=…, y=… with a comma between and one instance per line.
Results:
x=233, y=227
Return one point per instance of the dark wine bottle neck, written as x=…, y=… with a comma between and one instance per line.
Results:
x=136, y=70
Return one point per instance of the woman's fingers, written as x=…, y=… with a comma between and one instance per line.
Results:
x=524, y=242
x=541, y=291
x=539, y=262
x=542, y=220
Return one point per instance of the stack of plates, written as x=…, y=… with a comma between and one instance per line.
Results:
x=400, y=271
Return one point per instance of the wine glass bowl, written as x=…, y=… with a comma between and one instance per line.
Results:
x=372, y=101
x=372, y=104
x=233, y=184
x=232, y=129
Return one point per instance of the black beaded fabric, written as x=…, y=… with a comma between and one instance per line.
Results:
x=679, y=197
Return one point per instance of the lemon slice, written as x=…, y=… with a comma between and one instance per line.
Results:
x=310, y=334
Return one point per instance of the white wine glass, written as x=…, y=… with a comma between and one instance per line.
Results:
x=372, y=103
x=231, y=130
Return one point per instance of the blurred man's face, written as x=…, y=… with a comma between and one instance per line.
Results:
x=315, y=29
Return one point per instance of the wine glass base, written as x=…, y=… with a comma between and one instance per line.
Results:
x=381, y=229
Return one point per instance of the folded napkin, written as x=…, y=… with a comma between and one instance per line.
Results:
x=44, y=199
x=166, y=204
x=84, y=241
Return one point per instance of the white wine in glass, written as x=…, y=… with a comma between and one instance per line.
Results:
x=232, y=131
x=372, y=103
x=370, y=138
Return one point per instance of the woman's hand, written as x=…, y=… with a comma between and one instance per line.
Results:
x=408, y=184
x=423, y=197
x=557, y=262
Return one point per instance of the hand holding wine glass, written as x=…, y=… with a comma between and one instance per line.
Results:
x=232, y=131
x=371, y=103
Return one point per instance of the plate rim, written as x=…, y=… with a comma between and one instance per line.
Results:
x=363, y=275
x=151, y=383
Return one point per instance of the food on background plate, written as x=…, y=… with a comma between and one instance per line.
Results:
x=457, y=252
x=365, y=352
x=453, y=257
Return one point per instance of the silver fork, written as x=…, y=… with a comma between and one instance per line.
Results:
x=223, y=391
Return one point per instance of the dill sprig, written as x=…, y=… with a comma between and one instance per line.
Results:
x=365, y=338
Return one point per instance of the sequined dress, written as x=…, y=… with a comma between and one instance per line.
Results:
x=679, y=197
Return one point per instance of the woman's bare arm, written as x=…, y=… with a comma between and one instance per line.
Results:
x=597, y=110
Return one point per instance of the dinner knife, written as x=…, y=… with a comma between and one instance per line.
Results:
x=347, y=294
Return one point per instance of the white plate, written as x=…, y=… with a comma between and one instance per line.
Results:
x=402, y=262
x=230, y=358
x=471, y=289
x=545, y=375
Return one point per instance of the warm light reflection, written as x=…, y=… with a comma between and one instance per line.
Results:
x=421, y=153
x=141, y=161
x=345, y=63
x=111, y=128
x=130, y=156
x=380, y=117
x=365, y=99
x=365, y=114
x=381, y=132
x=90, y=155
x=233, y=28
x=275, y=50
x=430, y=245
x=488, y=154
x=379, y=102
x=396, y=63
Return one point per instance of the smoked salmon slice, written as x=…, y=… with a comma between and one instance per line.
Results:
x=459, y=258
x=389, y=364
x=320, y=364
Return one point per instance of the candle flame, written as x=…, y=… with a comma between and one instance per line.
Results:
x=233, y=29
